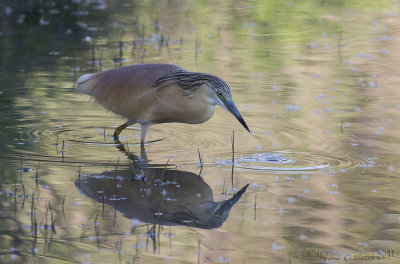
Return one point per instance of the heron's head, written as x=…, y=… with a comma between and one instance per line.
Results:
x=223, y=97
x=219, y=92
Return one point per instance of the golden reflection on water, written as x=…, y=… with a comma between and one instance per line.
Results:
x=316, y=82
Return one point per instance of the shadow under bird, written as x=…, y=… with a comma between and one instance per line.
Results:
x=158, y=93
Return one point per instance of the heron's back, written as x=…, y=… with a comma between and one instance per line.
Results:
x=119, y=89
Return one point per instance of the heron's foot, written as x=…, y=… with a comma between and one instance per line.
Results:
x=119, y=129
x=116, y=141
x=117, y=132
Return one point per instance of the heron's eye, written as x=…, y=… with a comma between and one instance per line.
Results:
x=219, y=94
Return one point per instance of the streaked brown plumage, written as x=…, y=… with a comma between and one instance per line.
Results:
x=158, y=93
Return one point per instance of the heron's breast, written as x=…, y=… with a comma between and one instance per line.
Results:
x=192, y=109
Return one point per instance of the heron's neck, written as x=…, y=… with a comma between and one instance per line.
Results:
x=209, y=94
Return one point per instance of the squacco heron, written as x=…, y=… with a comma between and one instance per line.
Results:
x=158, y=93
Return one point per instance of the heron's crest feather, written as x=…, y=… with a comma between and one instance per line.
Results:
x=186, y=80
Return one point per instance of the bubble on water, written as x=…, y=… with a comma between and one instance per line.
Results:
x=87, y=39
x=255, y=185
x=33, y=250
x=277, y=247
x=25, y=169
x=313, y=45
x=362, y=244
x=21, y=19
x=374, y=191
x=223, y=259
x=134, y=222
x=292, y=108
x=265, y=158
x=371, y=84
x=390, y=168
x=43, y=22
x=282, y=211
x=275, y=87
x=385, y=51
x=80, y=13
x=303, y=237
x=169, y=235
x=81, y=24
x=291, y=200
x=8, y=10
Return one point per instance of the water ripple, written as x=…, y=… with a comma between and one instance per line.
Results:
x=289, y=162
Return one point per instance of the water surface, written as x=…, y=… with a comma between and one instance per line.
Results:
x=316, y=81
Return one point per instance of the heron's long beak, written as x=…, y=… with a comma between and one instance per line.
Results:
x=232, y=108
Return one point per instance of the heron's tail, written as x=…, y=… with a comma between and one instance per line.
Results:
x=86, y=82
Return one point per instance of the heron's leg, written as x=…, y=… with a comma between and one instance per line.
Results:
x=120, y=128
x=145, y=127
x=143, y=155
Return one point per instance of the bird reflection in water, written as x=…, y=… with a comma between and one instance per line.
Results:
x=159, y=195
